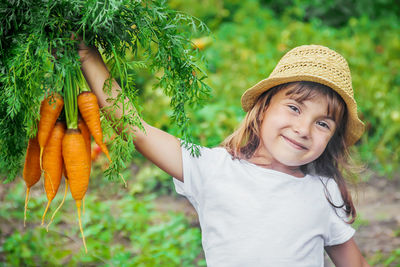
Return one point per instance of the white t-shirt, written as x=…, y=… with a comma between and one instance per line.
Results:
x=253, y=216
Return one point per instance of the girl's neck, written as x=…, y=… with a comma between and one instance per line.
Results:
x=265, y=162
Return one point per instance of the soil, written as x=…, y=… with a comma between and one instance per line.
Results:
x=378, y=207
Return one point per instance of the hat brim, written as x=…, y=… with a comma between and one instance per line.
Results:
x=354, y=128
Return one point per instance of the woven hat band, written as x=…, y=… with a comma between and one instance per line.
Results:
x=319, y=71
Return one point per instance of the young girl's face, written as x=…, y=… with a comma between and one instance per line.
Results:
x=294, y=133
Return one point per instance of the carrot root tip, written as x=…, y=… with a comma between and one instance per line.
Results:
x=105, y=151
x=125, y=184
x=26, y=204
x=45, y=211
x=40, y=157
x=62, y=202
x=78, y=206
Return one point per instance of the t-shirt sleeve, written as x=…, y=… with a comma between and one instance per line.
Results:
x=196, y=171
x=339, y=231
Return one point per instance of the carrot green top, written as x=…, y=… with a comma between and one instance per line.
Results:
x=70, y=97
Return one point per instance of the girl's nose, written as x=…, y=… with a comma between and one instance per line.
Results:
x=302, y=127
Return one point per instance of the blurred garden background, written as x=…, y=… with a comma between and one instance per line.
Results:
x=147, y=223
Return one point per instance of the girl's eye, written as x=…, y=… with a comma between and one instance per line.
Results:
x=323, y=124
x=294, y=108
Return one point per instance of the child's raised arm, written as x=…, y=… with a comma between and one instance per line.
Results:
x=160, y=147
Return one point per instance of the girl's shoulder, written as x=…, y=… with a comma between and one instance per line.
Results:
x=329, y=183
x=332, y=191
x=207, y=157
x=206, y=153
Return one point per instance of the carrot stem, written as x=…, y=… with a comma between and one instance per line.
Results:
x=59, y=206
x=71, y=103
x=82, y=83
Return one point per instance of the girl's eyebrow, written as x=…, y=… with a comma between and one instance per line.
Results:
x=297, y=100
x=329, y=118
x=301, y=103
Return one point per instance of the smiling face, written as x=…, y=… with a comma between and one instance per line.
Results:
x=294, y=131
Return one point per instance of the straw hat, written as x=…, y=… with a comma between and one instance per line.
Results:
x=313, y=63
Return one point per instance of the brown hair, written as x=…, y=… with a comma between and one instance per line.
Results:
x=334, y=160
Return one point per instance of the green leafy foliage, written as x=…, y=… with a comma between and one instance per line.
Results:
x=38, y=55
x=380, y=259
x=334, y=13
x=120, y=229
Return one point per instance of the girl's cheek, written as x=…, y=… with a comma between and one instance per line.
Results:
x=324, y=142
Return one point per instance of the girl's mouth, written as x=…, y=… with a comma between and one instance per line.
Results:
x=295, y=144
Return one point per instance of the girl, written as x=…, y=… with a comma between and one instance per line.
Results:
x=272, y=194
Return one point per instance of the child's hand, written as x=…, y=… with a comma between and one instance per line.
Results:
x=84, y=51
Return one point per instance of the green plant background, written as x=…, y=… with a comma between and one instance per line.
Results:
x=123, y=226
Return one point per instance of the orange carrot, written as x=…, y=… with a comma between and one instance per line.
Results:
x=86, y=136
x=64, y=170
x=32, y=170
x=52, y=163
x=50, y=109
x=76, y=164
x=89, y=108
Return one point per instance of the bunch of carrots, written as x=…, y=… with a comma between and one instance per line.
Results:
x=64, y=147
